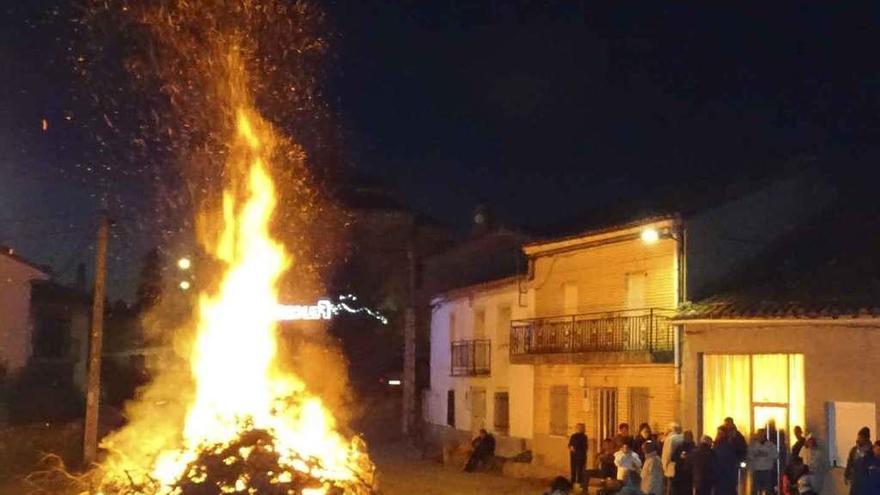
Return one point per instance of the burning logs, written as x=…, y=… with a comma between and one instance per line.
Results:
x=252, y=465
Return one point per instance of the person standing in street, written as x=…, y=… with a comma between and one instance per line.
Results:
x=736, y=439
x=799, y=441
x=652, y=471
x=683, y=481
x=622, y=436
x=814, y=459
x=629, y=466
x=852, y=475
x=871, y=470
x=762, y=461
x=672, y=441
x=644, y=435
x=727, y=462
x=577, y=452
x=702, y=464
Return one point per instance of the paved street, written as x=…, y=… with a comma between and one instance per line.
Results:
x=402, y=473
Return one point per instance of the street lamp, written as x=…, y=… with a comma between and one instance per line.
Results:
x=184, y=263
x=650, y=235
x=184, y=285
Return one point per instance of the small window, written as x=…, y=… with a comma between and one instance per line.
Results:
x=639, y=405
x=450, y=408
x=452, y=330
x=479, y=324
x=559, y=410
x=502, y=413
x=503, y=322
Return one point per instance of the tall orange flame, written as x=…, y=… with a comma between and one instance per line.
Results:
x=238, y=386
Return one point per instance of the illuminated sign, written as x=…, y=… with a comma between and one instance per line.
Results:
x=324, y=309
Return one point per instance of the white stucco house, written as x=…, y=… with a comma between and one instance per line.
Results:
x=16, y=328
x=473, y=384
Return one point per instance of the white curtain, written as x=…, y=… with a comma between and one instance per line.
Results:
x=726, y=392
x=733, y=384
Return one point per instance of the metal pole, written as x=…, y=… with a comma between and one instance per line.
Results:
x=93, y=391
x=778, y=462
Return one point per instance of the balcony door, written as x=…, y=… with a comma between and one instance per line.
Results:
x=635, y=333
x=636, y=290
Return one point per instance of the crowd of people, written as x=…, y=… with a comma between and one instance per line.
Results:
x=673, y=463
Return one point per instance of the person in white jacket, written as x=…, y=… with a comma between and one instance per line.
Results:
x=627, y=462
x=652, y=471
x=814, y=459
x=762, y=457
x=673, y=440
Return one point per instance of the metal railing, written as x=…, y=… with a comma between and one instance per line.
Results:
x=645, y=330
x=471, y=357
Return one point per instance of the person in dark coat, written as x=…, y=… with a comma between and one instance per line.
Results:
x=560, y=486
x=483, y=451
x=682, y=480
x=643, y=436
x=870, y=465
x=740, y=446
x=605, y=460
x=862, y=448
x=622, y=436
x=577, y=452
x=702, y=464
x=800, y=439
x=726, y=463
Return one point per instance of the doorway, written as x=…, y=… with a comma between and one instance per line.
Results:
x=478, y=408
x=764, y=414
x=606, y=413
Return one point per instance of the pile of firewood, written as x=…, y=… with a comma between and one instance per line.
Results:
x=251, y=465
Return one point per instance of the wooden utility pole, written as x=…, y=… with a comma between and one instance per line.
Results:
x=409, y=346
x=93, y=391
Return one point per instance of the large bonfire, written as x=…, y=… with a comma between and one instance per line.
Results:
x=248, y=426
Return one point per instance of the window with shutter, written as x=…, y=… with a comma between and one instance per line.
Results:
x=559, y=410
x=502, y=413
x=450, y=408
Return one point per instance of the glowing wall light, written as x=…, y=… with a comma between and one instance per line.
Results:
x=650, y=236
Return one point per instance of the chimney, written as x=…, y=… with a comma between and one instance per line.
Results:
x=482, y=220
x=81, y=276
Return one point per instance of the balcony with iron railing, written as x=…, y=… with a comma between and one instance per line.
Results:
x=643, y=335
x=471, y=358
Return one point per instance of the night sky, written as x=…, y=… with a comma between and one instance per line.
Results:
x=547, y=111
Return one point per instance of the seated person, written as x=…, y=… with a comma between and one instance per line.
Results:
x=792, y=474
x=483, y=451
x=605, y=460
x=560, y=486
x=806, y=483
